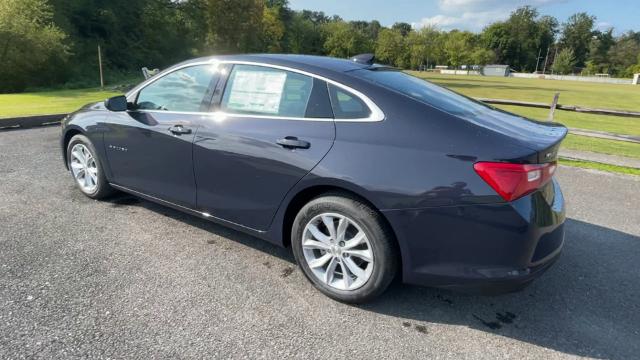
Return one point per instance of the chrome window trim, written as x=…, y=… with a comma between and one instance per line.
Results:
x=221, y=115
x=375, y=116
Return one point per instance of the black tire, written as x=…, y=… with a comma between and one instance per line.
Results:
x=381, y=239
x=102, y=189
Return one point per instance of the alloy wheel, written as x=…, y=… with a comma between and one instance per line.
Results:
x=84, y=168
x=337, y=251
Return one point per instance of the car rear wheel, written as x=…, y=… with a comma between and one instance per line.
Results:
x=344, y=248
x=86, y=168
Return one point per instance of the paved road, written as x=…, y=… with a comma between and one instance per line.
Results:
x=128, y=278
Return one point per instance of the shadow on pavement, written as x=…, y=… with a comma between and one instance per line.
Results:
x=237, y=236
x=587, y=304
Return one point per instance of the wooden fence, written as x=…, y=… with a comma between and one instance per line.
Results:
x=554, y=105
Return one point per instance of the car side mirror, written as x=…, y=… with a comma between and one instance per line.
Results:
x=116, y=103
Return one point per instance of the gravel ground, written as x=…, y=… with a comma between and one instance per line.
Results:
x=131, y=279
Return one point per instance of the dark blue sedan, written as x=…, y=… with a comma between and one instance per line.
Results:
x=367, y=173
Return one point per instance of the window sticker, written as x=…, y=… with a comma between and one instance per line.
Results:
x=257, y=91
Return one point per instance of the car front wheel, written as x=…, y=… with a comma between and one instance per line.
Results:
x=344, y=248
x=86, y=168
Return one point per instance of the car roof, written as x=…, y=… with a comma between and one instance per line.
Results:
x=311, y=63
x=336, y=69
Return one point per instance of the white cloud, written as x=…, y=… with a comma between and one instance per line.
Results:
x=465, y=21
x=440, y=21
x=468, y=5
x=474, y=15
x=604, y=26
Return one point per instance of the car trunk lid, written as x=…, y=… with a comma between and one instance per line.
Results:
x=542, y=138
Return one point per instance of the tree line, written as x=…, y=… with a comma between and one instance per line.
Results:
x=52, y=42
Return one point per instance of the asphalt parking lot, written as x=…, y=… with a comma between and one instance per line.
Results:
x=130, y=279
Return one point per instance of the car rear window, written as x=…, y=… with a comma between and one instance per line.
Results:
x=425, y=91
x=346, y=105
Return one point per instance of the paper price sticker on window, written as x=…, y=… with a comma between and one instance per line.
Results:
x=257, y=91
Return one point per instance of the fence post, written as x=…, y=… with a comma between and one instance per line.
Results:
x=100, y=65
x=552, y=109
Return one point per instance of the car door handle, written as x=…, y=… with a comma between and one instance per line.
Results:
x=292, y=142
x=179, y=130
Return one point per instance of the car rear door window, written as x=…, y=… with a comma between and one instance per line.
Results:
x=183, y=90
x=347, y=105
x=261, y=90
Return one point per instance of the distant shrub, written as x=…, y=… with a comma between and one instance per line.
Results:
x=565, y=62
x=32, y=49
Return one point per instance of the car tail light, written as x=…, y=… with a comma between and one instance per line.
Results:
x=513, y=181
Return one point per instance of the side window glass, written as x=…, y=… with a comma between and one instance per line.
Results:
x=346, y=105
x=181, y=90
x=266, y=91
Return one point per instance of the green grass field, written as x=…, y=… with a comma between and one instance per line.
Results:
x=622, y=148
x=600, y=166
x=49, y=102
x=612, y=124
x=595, y=95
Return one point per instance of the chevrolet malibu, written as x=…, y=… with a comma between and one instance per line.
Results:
x=367, y=173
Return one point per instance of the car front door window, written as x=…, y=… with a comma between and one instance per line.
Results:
x=183, y=90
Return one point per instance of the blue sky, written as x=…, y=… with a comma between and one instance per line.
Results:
x=473, y=15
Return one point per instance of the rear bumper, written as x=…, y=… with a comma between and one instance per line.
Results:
x=512, y=281
x=489, y=248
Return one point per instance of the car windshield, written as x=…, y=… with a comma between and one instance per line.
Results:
x=425, y=91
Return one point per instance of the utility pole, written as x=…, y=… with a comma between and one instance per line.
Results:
x=554, y=59
x=100, y=65
x=538, y=59
x=546, y=58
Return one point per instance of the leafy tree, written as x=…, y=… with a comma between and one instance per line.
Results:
x=391, y=48
x=317, y=17
x=498, y=38
x=303, y=35
x=273, y=28
x=624, y=54
x=564, y=62
x=343, y=40
x=482, y=56
x=547, y=31
x=417, y=48
x=373, y=30
x=132, y=34
x=403, y=27
x=634, y=69
x=168, y=35
x=425, y=47
x=598, y=60
x=590, y=68
x=457, y=48
x=518, y=40
x=577, y=33
x=60, y=40
x=369, y=29
x=235, y=25
x=30, y=45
